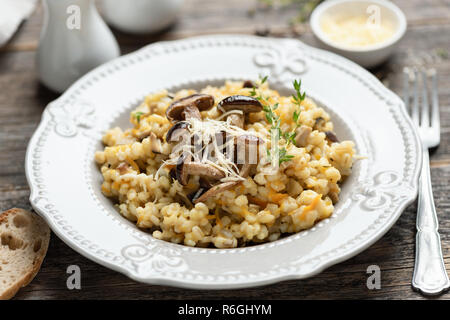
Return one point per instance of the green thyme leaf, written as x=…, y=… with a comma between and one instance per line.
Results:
x=138, y=115
x=274, y=120
x=295, y=115
x=289, y=137
x=269, y=118
x=442, y=53
x=283, y=156
x=298, y=96
x=264, y=79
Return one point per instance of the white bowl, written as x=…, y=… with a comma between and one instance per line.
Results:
x=143, y=16
x=367, y=56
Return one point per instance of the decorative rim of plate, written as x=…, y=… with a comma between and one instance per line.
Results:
x=407, y=189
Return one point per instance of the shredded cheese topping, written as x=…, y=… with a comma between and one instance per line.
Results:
x=356, y=31
x=207, y=148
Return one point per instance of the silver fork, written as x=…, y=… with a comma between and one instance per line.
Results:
x=430, y=276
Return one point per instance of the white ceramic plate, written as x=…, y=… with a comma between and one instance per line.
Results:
x=65, y=182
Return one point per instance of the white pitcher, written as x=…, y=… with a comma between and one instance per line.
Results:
x=74, y=40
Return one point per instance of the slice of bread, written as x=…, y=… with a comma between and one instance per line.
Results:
x=24, y=239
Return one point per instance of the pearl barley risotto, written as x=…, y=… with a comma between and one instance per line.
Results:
x=225, y=166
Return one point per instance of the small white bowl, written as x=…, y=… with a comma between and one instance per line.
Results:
x=142, y=16
x=367, y=56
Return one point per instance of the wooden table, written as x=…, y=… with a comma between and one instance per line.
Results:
x=22, y=100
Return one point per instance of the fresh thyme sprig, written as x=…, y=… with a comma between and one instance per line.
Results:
x=298, y=99
x=272, y=118
x=289, y=137
x=275, y=122
x=253, y=92
x=283, y=156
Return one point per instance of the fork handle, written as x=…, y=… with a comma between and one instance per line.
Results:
x=430, y=276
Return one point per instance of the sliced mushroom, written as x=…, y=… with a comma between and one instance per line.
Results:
x=142, y=135
x=222, y=138
x=247, y=148
x=238, y=102
x=195, y=195
x=185, y=168
x=155, y=143
x=204, y=170
x=244, y=172
x=205, y=183
x=319, y=122
x=181, y=173
x=176, y=131
x=189, y=107
x=185, y=199
x=123, y=167
x=216, y=190
x=301, y=136
x=173, y=173
x=249, y=139
x=331, y=136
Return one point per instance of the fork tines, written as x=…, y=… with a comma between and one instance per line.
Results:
x=418, y=105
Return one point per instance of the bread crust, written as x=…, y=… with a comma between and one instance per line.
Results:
x=37, y=262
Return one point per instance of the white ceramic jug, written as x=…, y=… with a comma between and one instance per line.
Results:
x=140, y=16
x=73, y=41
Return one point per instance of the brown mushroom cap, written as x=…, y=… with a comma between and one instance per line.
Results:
x=238, y=102
x=248, y=84
x=331, y=136
x=178, y=109
x=174, y=133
